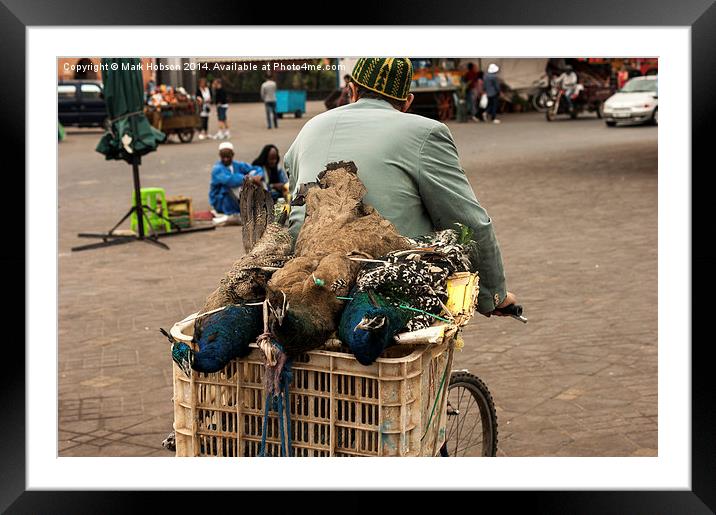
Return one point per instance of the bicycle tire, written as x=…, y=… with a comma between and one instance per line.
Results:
x=480, y=395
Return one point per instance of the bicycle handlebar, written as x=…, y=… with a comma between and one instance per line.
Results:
x=513, y=310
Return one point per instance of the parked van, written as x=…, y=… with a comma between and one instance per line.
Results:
x=81, y=103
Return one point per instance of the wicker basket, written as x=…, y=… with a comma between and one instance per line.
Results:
x=394, y=407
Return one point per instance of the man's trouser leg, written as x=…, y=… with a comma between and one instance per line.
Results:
x=234, y=199
x=568, y=98
x=267, y=106
x=492, y=107
x=273, y=114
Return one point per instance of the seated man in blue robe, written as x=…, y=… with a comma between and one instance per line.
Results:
x=227, y=177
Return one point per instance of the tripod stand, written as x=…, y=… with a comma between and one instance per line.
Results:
x=109, y=238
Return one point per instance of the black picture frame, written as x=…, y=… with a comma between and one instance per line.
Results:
x=699, y=15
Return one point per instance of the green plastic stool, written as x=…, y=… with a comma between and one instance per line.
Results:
x=152, y=197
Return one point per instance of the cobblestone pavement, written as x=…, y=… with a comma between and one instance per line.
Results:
x=574, y=204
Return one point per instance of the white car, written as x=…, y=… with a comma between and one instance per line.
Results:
x=636, y=102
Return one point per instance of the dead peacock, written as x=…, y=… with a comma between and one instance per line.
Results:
x=235, y=318
x=403, y=291
x=305, y=296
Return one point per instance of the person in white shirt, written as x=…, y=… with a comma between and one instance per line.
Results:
x=268, y=95
x=203, y=94
x=568, y=82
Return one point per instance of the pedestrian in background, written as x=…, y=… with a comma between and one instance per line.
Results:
x=151, y=88
x=203, y=94
x=492, y=88
x=222, y=108
x=469, y=78
x=345, y=97
x=276, y=178
x=268, y=95
x=480, y=108
x=622, y=77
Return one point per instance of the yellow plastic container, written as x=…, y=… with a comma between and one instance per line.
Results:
x=462, y=289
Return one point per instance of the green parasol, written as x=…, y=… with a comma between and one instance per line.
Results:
x=128, y=133
x=129, y=136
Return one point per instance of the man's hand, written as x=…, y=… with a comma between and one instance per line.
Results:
x=257, y=179
x=510, y=298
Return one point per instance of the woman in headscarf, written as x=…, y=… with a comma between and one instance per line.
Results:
x=276, y=178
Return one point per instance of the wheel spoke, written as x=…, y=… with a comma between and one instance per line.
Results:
x=464, y=416
x=462, y=439
x=469, y=438
x=464, y=449
x=459, y=426
x=472, y=430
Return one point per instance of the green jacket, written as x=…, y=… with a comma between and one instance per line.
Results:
x=410, y=167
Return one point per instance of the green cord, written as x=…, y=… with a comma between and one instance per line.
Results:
x=403, y=306
x=437, y=397
x=424, y=313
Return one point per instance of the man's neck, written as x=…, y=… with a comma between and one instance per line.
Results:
x=376, y=101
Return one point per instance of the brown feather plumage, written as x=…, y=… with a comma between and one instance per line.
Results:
x=337, y=225
x=246, y=280
x=256, y=209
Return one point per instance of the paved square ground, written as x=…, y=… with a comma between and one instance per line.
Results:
x=574, y=205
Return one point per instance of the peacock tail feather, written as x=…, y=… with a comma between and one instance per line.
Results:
x=182, y=356
x=256, y=210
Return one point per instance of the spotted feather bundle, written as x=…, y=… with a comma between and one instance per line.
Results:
x=416, y=279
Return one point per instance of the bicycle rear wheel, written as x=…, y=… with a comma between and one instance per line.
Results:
x=471, y=419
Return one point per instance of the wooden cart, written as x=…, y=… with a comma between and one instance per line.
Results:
x=181, y=119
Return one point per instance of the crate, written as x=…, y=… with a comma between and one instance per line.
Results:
x=394, y=407
x=179, y=205
x=180, y=210
x=338, y=406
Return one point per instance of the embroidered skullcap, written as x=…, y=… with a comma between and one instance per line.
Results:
x=389, y=76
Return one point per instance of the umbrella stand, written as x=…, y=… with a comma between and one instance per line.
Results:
x=109, y=238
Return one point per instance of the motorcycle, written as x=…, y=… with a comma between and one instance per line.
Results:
x=580, y=104
x=544, y=93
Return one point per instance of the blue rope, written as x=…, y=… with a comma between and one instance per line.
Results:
x=280, y=423
x=262, y=449
x=286, y=374
x=276, y=403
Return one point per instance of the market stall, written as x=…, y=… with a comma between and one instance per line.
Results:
x=436, y=86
